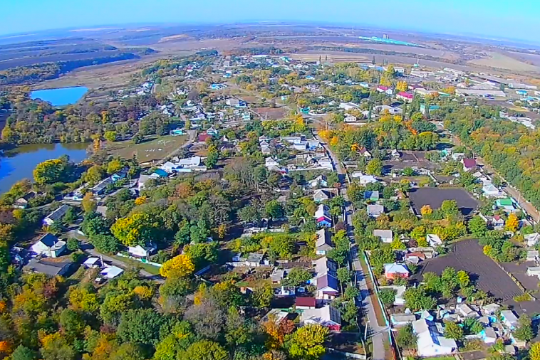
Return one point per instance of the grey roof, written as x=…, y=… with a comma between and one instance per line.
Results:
x=327, y=281
x=49, y=240
x=58, y=213
x=323, y=241
x=255, y=257
x=383, y=233
x=375, y=210
x=51, y=268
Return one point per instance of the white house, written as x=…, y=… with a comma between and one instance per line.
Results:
x=363, y=179
x=271, y=164
x=49, y=246
x=326, y=316
x=348, y=106
x=142, y=252
x=433, y=240
x=320, y=196
x=509, y=319
x=386, y=236
x=111, y=272
x=532, y=239
x=533, y=271
x=375, y=210
x=430, y=342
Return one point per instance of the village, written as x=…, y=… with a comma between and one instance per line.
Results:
x=401, y=239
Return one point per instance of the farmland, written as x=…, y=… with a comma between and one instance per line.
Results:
x=467, y=255
x=501, y=61
x=434, y=197
x=148, y=151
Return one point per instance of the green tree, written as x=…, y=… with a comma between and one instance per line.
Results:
x=274, y=209
x=205, y=350
x=24, y=353
x=307, y=343
x=417, y=299
x=263, y=295
x=73, y=244
x=50, y=171
x=110, y=136
x=477, y=226
x=524, y=331
x=140, y=326
x=106, y=244
x=95, y=174
x=406, y=339
x=375, y=167
x=453, y=331
x=72, y=323
x=297, y=277
x=387, y=296
x=212, y=157
x=343, y=275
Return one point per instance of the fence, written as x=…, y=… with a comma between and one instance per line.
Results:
x=144, y=261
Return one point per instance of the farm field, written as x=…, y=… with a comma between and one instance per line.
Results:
x=468, y=255
x=434, y=197
x=148, y=151
x=500, y=61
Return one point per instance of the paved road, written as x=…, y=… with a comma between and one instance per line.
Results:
x=377, y=332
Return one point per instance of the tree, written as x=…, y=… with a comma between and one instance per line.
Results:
x=136, y=229
x=73, y=244
x=375, y=167
x=88, y=204
x=449, y=208
x=205, y=350
x=24, y=353
x=406, y=339
x=140, y=326
x=110, y=136
x=95, y=174
x=212, y=157
x=343, y=275
x=426, y=210
x=453, y=331
x=477, y=226
x=274, y=209
x=106, y=244
x=56, y=347
x=417, y=299
x=297, y=277
x=524, y=331
x=402, y=86
x=179, y=266
x=72, y=323
x=263, y=295
x=512, y=223
x=50, y=171
x=307, y=342
x=387, y=296
x=534, y=352
x=114, y=166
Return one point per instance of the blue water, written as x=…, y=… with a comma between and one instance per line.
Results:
x=387, y=41
x=60, y=97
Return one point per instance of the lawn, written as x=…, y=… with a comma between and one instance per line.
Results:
x=149, y=150
x=154, y=270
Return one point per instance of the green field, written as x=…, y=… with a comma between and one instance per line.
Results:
x=149, y=150
x=154, y=270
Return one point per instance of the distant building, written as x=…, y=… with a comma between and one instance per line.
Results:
x=56, y=215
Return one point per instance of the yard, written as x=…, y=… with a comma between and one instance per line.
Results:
x=434, y=197
x=154, y=270
x=149, y=150
x=468, y=255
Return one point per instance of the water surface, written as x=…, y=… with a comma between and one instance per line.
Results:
x=19, y=163
x=60, y=96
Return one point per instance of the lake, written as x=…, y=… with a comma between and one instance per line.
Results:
x=61, y=96
x=20, y=162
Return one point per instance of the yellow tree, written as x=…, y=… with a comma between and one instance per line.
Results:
x=534, y=352
x=512, y=223
x=402, y=86
x=426, y=210
x=88, y=204
x=180, y=266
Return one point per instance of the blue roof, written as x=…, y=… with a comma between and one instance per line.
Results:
x=161, y=173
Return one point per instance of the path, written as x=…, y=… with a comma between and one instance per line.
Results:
x=377, y=332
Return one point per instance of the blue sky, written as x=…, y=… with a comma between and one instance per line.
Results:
x=496, y=18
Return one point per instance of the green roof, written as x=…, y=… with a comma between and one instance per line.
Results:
x=504, y=202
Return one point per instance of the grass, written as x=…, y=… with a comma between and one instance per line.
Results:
x=154, y=270
x=374, y=299
x=149, y=150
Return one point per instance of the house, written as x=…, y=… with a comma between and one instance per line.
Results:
x=415, y=257
x=532, y=239
x=236, y=103
x=318, y=181
x=327, y=287
x=275, y=315
x=400, y=292
x=110, y=272
x=203, y=137
x=320, y=196
x=375, y=210
x=159, y=173
x=505, y=204
x=371, y=195
x=490, y=190
x=533, y=271
x=323, y=244
x=48, y=267
x=509, y=319
x=532, y=255
x=22, y=203
x=141, y=183
x=277, y=276
x=405, y=96
x=49, y=245
x=469, y=164
x=169, y=167
x=254, y=260
x=322, y=216
x=402, y=319
x=191, y=162
x=271, y=164
x=384, y=90
x=488, y=335
x=433, y=240
x=364, y=179
x=119, y=175
x=348, y=106
x=394, y=271
x=386, y=236
x=465, y=311
x=142, y=252
x=305, y=303
x=92, y=262
x=324, y=266
x=430, y=342
x=327, y=316
x=101, y=186
x=350, y=119
x=56, y=215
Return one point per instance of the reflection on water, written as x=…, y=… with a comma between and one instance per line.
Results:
x=19, y=163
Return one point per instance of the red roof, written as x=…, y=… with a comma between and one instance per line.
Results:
x=406, y=95
x=382, y=87
x=469, y=163
x=306, y=301
x=418, y=254
x=203, y=137
x=323, y=218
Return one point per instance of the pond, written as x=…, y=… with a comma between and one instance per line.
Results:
x=19, y=163
x=61, y=96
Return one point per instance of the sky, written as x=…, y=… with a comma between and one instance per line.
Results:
x=491, y=18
